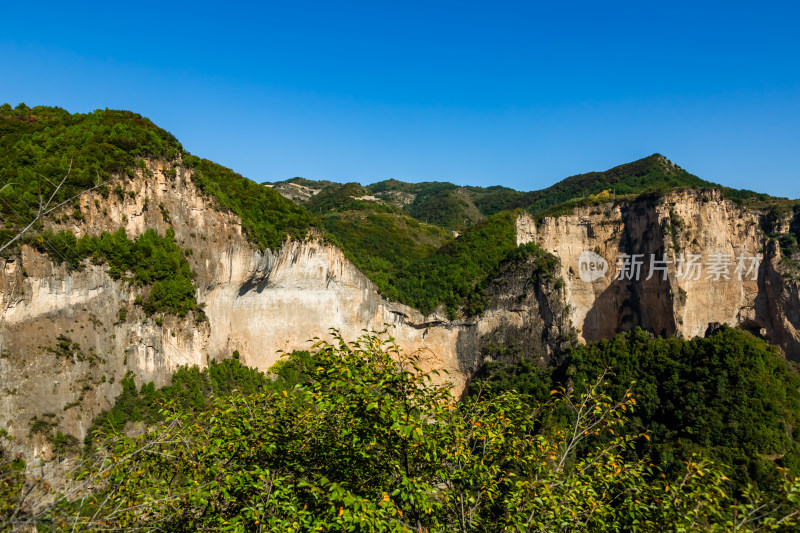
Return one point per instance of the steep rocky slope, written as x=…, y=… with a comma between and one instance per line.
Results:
x=255, y=302
x=680, y=224
x=69, y=337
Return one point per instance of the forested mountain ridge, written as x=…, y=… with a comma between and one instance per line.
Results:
x=455, y=207
x=408, y=260
x=130, y=293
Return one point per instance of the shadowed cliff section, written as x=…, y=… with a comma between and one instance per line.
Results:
x=636, y=299
x=676, y=226
x=524, y=316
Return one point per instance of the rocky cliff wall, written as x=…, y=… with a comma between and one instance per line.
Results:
x=720, y=268
x=261, y=302
x=255, y=302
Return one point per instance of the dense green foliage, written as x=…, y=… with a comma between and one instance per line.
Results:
x=440, y=204
x=384, y=245
x=191, y=390
x=150, y=260
x=730, y=396
x=450, y=275
x=453, y=207
x=496, y=198
x=267, y=217
x=652, y=175
x=366, y=442
x=40, y=146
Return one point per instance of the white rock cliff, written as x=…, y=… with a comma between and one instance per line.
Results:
x=260, y=303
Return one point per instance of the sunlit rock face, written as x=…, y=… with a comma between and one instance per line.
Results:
x=676, y=263
x=264, y=302
x=261, y=303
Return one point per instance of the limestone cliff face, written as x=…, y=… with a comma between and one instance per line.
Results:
x=283, y=300
x=730, y=284
x=256, y=302
x=65, y=346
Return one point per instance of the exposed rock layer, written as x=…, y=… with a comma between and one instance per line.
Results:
x=726, y=241
x=258, y=303
x=261, y=302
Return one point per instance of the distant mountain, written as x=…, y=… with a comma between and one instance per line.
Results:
x=652, y=173
x=151, y=259
x=401, y=235
x=453, y=207
x=443, y=204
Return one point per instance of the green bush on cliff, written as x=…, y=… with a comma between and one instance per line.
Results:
x=40, y=146
x=267, y=217
x=150, y=260
x=190, y=390
x=538, y=262
x=450, y=275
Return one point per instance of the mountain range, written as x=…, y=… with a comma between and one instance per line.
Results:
x=127, y=260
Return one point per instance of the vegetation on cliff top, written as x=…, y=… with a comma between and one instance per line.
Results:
x=451, y=275
x=150, y=260
x=40, y=146
x=267, y=217
x=384, y=244
x=653, y=173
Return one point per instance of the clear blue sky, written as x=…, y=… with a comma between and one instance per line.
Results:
x=514, y=93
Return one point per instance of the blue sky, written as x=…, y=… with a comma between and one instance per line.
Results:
x=520, y=94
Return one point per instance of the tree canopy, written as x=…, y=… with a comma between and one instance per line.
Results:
x=361, y=439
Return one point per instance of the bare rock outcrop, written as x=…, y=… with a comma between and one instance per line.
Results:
x=68, y=338
x=675, y=263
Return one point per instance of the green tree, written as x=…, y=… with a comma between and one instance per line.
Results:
x=365, y=441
